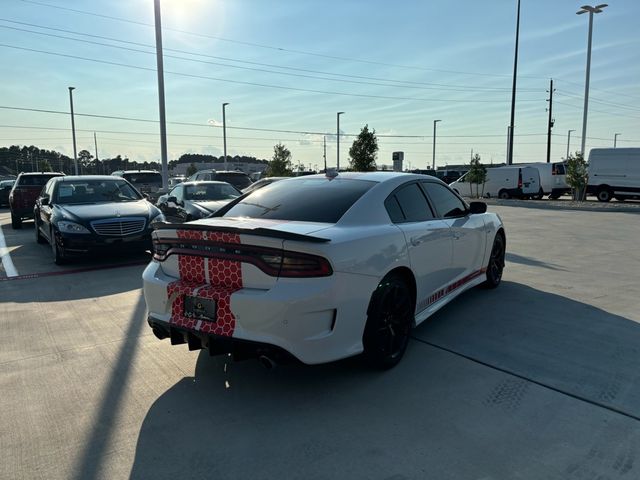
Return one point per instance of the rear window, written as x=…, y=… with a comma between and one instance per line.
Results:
x=238, y=180
x=34, y=180
x=143, y=178
x=312, y=200
x=558, y=169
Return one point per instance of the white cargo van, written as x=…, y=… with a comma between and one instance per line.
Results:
x=553, y=178
x=503, y=182
x=614, y=172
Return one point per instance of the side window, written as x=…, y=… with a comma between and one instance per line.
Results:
x=411, y=203
x=178, y=192
x=48, y=189
x=444, y=200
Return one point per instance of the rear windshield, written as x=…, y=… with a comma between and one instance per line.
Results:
x=312, y=200
x=143, y=178
x=35, y=180
x=238, y=180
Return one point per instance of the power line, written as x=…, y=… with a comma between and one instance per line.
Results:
x=279, y=49
x=255, y=84
x=403, y=83
x=603, y=102
x=599, y=111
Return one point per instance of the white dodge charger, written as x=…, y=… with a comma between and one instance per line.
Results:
x=321, y=267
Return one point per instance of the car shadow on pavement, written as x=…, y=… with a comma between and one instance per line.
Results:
x=341, y=420
x=515, y=258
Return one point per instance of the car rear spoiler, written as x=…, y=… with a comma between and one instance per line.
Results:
x=262, y=232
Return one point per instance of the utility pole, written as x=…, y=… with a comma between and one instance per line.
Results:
x=615, y=140
x=161, y=108
x=551, y=121
x=568, y=142
x=325, y=153
x=513, y=90
x=73, y=130
x=95, y=143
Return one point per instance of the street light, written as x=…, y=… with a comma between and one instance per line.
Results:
x=163, y=118
x=224, y=133
x=434, y=143
x=73, y=130
x=338, y=141
x=590, y=10
x=615, y=139
x=568, y=141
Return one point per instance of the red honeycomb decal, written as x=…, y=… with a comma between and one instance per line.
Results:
x=225, y=277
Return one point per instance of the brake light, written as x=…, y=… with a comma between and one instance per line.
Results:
x=272, y=261
x=519, y=178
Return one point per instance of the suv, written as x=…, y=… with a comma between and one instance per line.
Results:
x=240, y=180
x=147, y=182
x=23, y=195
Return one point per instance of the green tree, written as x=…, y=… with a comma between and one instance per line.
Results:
x=84, y=159
x=44, y=166
x=477, y=175
x=577, y=176
x=191, y=170
x=364, y=151
x=280, y=164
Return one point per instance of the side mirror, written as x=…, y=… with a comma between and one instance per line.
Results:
x=172, y=199
x=44, y=200
x=477, y=207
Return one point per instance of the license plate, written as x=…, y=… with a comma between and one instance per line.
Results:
x=200, y=308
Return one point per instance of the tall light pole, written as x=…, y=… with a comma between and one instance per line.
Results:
x=433, y=165
x=224, y=133
x=73, y=130
x=513, y=90
x=95, y=143
x=324, y=155
x=163, y=119
x=568, y=142
x=590, y=11
x=615, y=139
x=338, y=141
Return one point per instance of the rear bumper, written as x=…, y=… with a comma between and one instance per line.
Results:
x=315, y=320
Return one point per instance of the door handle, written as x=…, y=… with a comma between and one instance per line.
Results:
x=456, y=235
x=415, y=241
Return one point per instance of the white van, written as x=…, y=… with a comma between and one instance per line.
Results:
x=503, y=182
x=553, y=178
x=614, y=172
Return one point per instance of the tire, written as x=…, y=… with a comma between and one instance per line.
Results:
x=59, y=257
x=389, y=320
x=604, y=194
x=16, y=222
x=504, y=194
x=554, y=196
x=495, y=266
x=39, y=238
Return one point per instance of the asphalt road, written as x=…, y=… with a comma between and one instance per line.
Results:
x=538, y=379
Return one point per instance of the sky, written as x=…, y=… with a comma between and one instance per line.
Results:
x=287, y=67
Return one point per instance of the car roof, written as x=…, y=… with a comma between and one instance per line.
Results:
x=33, y=174
x=205, y=182
x=72, y=178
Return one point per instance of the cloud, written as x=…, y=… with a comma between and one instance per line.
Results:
x=214, y=123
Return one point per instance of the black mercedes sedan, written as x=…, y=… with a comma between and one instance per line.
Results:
x=193, y=200
x=82, y=214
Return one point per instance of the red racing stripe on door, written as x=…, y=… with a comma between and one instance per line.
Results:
x=225, y=278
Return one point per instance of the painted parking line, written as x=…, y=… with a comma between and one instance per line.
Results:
x=7, y=263
x=69, y=272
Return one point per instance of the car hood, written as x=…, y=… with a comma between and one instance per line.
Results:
x=212, y=205
x=94, y=211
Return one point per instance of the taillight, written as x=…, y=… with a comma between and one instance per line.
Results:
x=272, y=261
x=520, y=179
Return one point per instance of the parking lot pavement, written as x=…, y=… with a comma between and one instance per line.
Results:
x=537, y=379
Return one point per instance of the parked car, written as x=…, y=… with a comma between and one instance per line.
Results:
x=5, y=188
x=614, y=172
x=24, y=193
x=553, y=178
x=321, y=267
x=239, y=180
x=175, y=180
x=193, y=200
x=148, y=182
x=504, y=182
x=77, y=215
x=263, y=182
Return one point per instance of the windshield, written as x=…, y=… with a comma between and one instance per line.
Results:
x=312, y=200
x=144, y=178
x=94, y=191
x=206, y=192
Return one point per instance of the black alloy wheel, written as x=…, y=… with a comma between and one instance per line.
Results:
x=389, y=321
x=504, y=194
x=496, y=263
x=58, y=252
